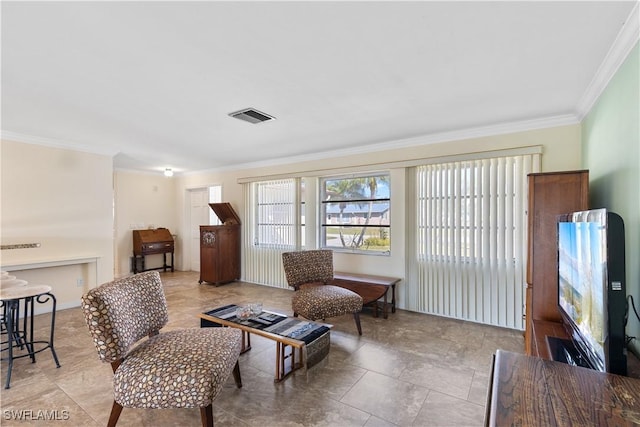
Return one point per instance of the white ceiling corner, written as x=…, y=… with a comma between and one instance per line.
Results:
x=624, y=42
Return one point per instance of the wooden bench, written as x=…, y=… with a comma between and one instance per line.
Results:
x=370, y=288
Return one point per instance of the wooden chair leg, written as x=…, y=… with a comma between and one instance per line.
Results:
x=236, y=375
x=356, y=316
x=206, y=414
x=115, y=414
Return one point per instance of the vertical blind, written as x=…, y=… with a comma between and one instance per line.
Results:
x=468, y=232
x=272, y=210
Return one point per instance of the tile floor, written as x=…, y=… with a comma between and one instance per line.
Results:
x=409, y=370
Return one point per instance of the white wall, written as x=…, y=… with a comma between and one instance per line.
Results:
x=561, y=151
x=142, y=201
x=63, y=200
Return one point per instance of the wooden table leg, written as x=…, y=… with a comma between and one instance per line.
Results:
x=283, y=356
x=246, y=342
x=301, y=356
x=385, y=309
x=293, y=359
x=393, y=298
x=278, y=357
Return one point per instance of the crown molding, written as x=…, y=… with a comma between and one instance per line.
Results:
x=156, y=172
x=458, y=135
x=626, y=39
x=54, y=143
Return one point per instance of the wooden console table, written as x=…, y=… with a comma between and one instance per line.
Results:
x=370, y=288
x=540, y=330
x=530, y=391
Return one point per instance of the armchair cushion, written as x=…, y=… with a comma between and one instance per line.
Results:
x=177, y=369
x=325, y=301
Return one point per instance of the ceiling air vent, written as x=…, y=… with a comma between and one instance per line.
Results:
x=252, y=115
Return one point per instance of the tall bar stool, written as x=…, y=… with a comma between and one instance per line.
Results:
x=19, y=338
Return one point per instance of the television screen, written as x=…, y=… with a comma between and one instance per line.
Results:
x=582, y=282
x=591, y=288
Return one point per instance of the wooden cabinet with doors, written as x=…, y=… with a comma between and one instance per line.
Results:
x=220, y=247
x=550, y=194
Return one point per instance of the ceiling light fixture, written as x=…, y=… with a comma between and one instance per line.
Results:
x=251, y=115
x=168, y=172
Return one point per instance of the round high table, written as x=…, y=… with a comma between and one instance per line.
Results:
x=19, y=338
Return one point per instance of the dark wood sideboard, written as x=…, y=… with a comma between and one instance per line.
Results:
x=531, y=391
x=220, y=247
x=550, y=194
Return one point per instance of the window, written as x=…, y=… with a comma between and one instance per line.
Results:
x=459, y=205
x=274, y=224
x=277, y=217
x=467, y=244
x=354, y=213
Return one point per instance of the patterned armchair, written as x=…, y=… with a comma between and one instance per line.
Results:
x=177, y=369
x=308, y=272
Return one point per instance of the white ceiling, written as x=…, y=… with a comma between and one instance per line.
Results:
x=152, y=83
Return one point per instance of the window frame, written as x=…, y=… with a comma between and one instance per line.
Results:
x=260, y=222
x=384, y=229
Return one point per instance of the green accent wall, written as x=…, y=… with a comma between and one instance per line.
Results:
x=611, y=152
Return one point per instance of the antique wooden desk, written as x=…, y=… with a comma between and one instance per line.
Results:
x=530, y=391
x=151, y=242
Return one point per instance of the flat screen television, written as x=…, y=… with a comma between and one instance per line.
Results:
x=591, y=290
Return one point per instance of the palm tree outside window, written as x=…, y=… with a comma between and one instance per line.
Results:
x=355, y=213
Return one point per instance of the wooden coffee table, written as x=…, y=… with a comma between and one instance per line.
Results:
x=310, y=340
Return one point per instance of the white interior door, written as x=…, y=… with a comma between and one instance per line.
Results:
x=199, y=215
